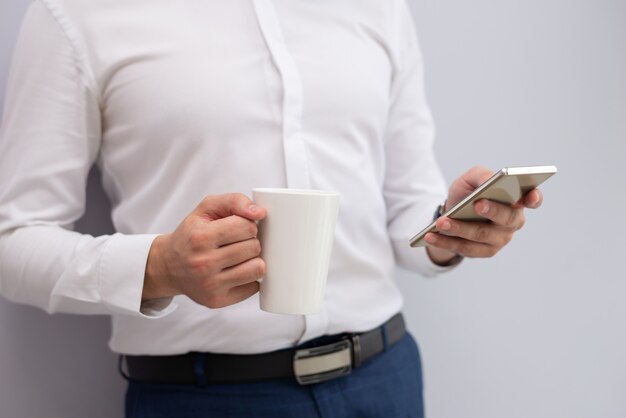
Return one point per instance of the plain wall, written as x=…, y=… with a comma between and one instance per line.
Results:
x=540, y=330
x=55, y=366
x=537, y=331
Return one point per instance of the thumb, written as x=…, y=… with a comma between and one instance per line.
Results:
x=477, y=176
x=223, y=206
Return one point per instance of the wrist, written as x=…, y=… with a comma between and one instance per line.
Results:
x=443, y=258
x=439, y=256
x=157, y=279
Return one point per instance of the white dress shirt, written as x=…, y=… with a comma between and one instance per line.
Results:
x=176, y=100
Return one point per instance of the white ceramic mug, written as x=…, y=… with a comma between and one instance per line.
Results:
x=296, y=243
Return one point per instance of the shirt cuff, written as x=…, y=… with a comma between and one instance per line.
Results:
x=417, y=259
x=157, y=308
x=122, y=272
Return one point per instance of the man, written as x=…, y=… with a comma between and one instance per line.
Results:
x=186, y=106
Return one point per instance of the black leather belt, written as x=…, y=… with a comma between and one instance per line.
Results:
x=330, y=358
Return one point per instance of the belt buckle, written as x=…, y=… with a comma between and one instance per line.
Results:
x=318, y=364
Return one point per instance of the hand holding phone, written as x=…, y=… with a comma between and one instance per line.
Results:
x=507, y=186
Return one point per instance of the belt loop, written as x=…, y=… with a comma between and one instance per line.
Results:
x=120, y=367
x=356, y=351
x=198, y=369
x=383, y=331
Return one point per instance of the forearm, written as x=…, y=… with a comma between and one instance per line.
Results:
x=442, y=257
x=158, y=281
x=59, y=270
x=439, y=256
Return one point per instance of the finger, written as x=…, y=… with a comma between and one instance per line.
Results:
x=533, y=199
x=504, y=215
x=243, y=292
x=476, y=176
x=461, y=246
x=232, y=296
x=486, y=233
x=246, y=272
x=222, y=206
x=237, y=253
x=232, y=229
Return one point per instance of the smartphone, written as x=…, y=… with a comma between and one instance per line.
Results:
x=506, y=186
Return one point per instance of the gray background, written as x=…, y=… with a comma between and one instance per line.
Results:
x=539, y=331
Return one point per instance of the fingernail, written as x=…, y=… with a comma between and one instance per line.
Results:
x=431, y=238
x=253, y=208
x=485, y=208
x=445, y=226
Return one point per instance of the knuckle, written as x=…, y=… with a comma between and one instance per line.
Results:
x=256, y=247
x=197, y=265
x=236, y=199
x=196, y=240
x=218, y=235
x=494, y=211
x=230, y=198
x=477, y=169
x=463, y=248
x=216, y=301
x=480, y=172
x=211, y=261
x=482, y=235
x=210, y=287
x=187, y=224
x=196, y=269
x=507, y=238
x=206, y=204
x=215, y=294
x=521, y=222
x=201, y=267
x=252, y=228
x=512, y=217
x=206, y=201
x=259, y=268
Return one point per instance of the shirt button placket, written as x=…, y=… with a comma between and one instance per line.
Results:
x=297, y=165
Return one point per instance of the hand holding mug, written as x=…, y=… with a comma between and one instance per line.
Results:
x=213, y=256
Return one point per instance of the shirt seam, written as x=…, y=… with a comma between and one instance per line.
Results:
x=101, y=267
x=87, y=75
x=88, y=78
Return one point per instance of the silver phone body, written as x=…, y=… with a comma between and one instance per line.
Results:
x=506, y=186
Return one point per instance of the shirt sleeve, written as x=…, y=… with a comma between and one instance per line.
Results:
x=49, y=138
x=414, y=185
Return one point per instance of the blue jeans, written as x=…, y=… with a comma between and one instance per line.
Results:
x=387, y=386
